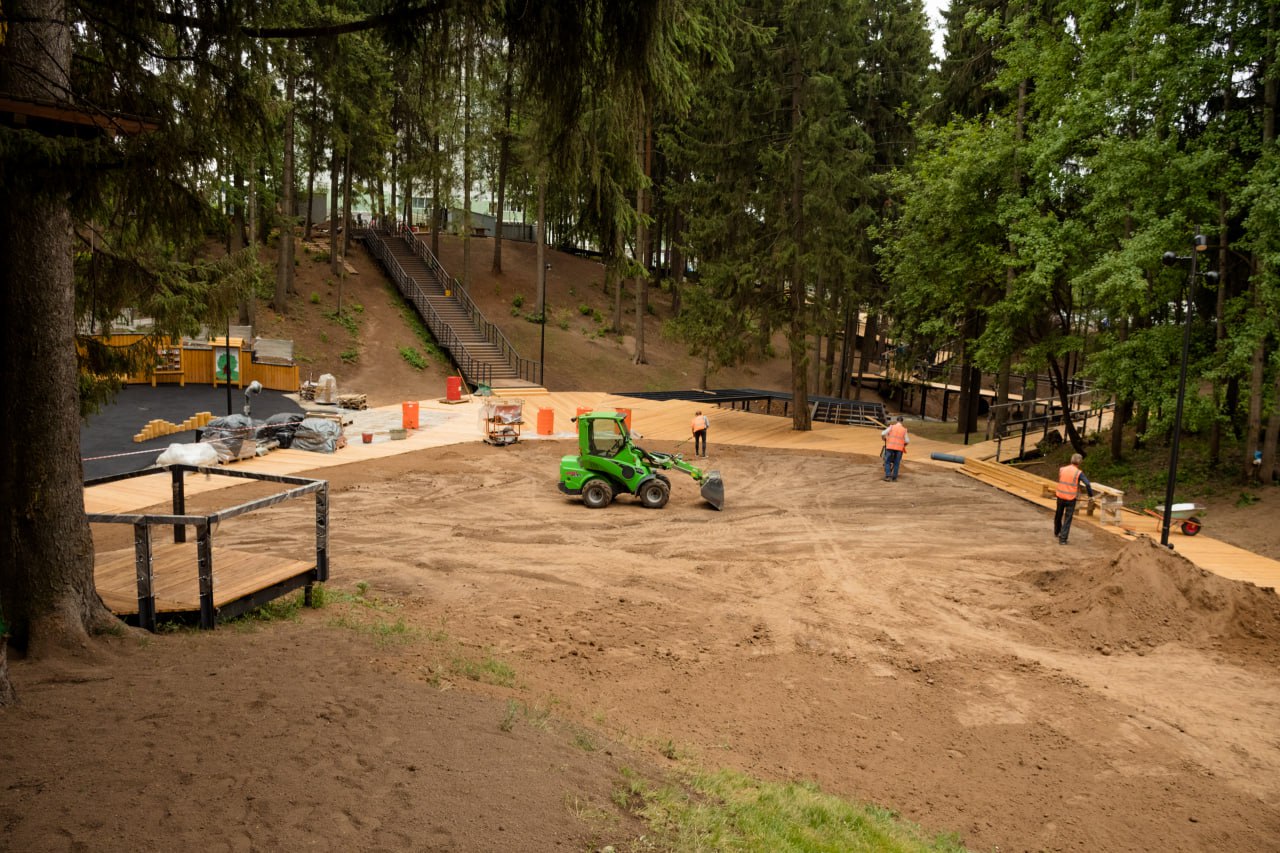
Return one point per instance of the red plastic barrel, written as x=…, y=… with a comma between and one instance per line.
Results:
x=453, y=388
x=409, y=414
x=546, y=421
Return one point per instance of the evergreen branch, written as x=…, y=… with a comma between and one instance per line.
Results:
x=304, y=31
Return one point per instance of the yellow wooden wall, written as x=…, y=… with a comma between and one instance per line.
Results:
x=199, y=366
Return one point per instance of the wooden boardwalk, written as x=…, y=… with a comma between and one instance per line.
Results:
x=656, y=421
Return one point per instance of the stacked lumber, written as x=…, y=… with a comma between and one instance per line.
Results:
x=353, y=401
x=157, y=428
x=1006, y=477
x=1030, y=486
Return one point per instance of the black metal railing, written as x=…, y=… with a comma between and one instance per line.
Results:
x=476, y=370
x=525, y=368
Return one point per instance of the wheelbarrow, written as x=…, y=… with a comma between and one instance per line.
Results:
x=1185, y=513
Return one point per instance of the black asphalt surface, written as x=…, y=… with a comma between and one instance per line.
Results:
x=110, y=432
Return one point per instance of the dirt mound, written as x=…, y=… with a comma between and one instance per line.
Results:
x=1148, y=596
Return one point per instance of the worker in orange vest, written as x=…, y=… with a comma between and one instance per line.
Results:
x=1070, y=479
x=699, y=427
x=895, y=444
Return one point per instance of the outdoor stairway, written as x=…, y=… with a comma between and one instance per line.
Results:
x=480, y=350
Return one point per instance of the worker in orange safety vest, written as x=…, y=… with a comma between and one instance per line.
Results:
x=699, y=427
x=896, y=440
x=1070, y=479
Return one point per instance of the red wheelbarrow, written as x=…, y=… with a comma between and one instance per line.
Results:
x=1185, y=513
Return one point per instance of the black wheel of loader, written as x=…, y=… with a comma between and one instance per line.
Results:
x=654, y=494
x=597, y=494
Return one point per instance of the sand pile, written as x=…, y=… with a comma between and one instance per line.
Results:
x=1148, y=596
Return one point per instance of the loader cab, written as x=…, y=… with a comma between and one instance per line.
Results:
x=601, y=435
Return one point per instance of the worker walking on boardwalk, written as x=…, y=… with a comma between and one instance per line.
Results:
x=896, y=440
x=699, y=427
x=1070, y=479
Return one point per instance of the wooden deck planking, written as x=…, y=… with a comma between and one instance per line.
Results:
x=175, y=576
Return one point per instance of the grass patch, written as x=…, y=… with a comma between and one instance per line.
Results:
x=487, y=670
x=729, y=811
x=370, y=616
x=420, y=330
x=345, y=320
x=350, y=355
x=415, y=359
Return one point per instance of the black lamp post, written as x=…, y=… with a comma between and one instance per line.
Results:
x=1199, y=244
x=227, y=364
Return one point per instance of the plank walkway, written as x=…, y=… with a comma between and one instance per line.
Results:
x=668, y=421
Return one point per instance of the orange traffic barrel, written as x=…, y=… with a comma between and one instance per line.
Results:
x=546, y=421
x=409, y=414
x=453, y=388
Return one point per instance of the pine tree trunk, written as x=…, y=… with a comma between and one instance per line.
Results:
x=346, y=206
x=642, y=238
x=504, y=157
x=284, y=256
x=1268, y=470
x=335, y=259
x=47, y=589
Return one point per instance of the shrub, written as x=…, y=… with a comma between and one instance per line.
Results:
x=517, y=301
x=315, y=298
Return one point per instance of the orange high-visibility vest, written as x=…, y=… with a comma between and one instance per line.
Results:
x=1068, y=482
x=700, y=422
x=896, y=438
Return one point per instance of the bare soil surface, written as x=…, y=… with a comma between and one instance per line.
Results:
x=498, y=660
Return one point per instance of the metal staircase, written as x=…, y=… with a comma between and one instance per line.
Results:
x=479, y=349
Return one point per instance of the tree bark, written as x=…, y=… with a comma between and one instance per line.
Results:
x=46, y=553
x=642, y=236
x=800, y=419
x=284, y=255
x=346, y=205
x=504, y=157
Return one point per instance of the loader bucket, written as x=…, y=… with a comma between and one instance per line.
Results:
x=713, y=489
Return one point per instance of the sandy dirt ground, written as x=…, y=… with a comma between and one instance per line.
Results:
x=924, y=645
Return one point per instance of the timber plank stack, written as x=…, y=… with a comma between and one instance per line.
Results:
x=1041, y=490
x=158, y=427
x=1007, y=478
x=353, y=401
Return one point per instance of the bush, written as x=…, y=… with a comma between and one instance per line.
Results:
x=315, y=298
x=517, y=301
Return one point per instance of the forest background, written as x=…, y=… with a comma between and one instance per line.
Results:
x=767, y=167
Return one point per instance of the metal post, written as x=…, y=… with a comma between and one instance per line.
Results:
x=1177, y=412
x=228, y=364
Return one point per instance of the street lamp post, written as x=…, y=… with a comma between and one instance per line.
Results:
x=1169, y=259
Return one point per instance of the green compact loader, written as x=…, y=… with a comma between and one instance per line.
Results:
x=608, y=464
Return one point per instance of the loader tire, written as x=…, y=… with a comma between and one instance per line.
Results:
x=597, y=494
x=654, y=494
